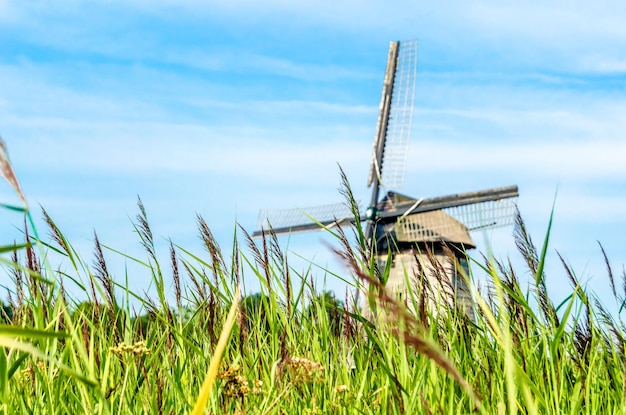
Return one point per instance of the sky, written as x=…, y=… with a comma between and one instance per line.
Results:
x=221, y=108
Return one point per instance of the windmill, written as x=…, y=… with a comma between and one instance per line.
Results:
x=424, y=236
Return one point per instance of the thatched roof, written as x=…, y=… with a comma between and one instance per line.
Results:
x=433, y=226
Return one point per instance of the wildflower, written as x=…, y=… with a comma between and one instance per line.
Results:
x=258, y=387
x=28, y=373
x=304, y=370
x=138, y=349
x=230, y=372
x=235, y=386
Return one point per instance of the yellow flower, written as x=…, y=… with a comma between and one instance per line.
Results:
x=138, y=349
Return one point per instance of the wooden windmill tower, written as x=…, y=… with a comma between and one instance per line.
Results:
x=422, y=236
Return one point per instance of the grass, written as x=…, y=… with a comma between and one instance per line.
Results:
x=291, y=349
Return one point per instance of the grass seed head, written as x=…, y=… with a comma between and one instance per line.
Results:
x=137, y=349
x=304, y=370
x=258, y=387
x=235, y=385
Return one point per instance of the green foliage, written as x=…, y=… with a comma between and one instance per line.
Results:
x=6, y=313
x=326, y=310
x=293, y=349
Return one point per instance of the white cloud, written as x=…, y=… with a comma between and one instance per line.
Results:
x=556, y=19
x=506, y=93
x=167, y=149
x=531, y=19
x=242, y=61
x=603, y=64
x=4, y=9
x=566, y=37
x=566, y=159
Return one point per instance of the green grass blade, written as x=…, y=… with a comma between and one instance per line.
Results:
x=4, y=374
x=544, y=249
x=13, y=343
x=11, y=248
x=14, y=331
x=211, y=375
x=15, y=208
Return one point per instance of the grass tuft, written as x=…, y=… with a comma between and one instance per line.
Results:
x=78, y=340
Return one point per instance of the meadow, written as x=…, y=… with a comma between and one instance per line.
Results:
x=293, y=348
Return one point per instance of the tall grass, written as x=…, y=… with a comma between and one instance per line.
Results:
x=292, y=348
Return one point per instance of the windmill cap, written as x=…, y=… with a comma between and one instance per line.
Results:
x=433, y=226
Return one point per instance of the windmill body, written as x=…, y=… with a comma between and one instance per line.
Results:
x=427, y=254
x=425, y=239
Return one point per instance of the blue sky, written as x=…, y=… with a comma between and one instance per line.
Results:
x=222, y=108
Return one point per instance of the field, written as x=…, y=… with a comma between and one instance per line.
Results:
x=292, y=349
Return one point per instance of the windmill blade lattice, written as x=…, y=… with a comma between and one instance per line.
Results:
x=453, y=222
x=303, y=219
x=485, y=215
x=400, y=120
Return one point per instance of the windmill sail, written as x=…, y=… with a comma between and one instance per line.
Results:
x=393, y=128
x=395, y=119
x=396, y=205
x=484, y=209
x=471, y=217
x=303, y=219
